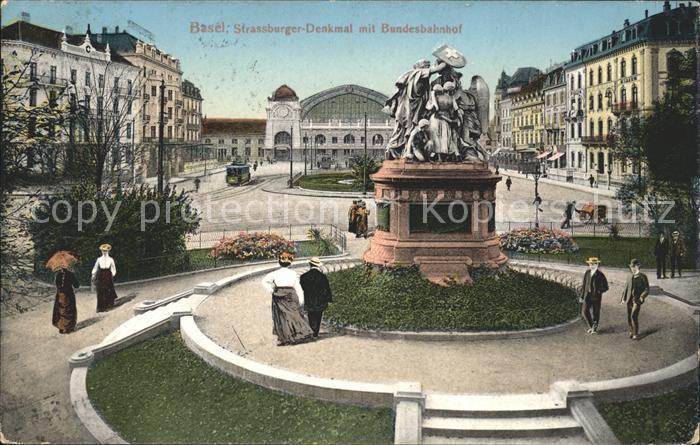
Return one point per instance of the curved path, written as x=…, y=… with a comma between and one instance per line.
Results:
x=528, y=365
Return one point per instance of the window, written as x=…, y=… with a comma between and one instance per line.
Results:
x=600, y=74
x=115, y=105
x=73, y=76
x=319, y=139
x=170, y=131
x=234, y=141
x=101, y=80
x=87, y=101
x=154, y=92
x=128, y=107
x=129, y=87
x=571, y=82
x=590, y=77
x=32, y=97
x=247, y=141
x=623, y=96
x=33, y=71
x=634, y=65
x=207, y=141
x=377, y=139
x=87, y=78
x=591, y=128
x=52, y=75
x=600, y=101
x=170, y=112
x=610, y=126
x=349, y=139
x=579, y=80
x=100, y=102
x=334, y=140
x=571, y=131
x=600, y=129
x=608, y=70
x=590, y=102
x=170, y=94
x=52, y=98
x=153, y=131
x=623, y=68
x=634, y=95
x=261, y=141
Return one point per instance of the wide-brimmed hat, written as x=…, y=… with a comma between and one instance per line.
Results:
x=315, y=261
x=105, y=247
x=593, y=260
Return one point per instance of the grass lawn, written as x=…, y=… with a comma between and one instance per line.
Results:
x=670, y=418
x=611, y=252
x=329, y=182
x=160, y=392
x=402, y=300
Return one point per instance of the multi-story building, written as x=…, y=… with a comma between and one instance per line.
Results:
x=95, y=83
x=505, y=135
x=554, y=90
x=625, y=73
x=506, y=86
x=192, y=111
x=575, y=74
x=329, y=124
x=527, y=117
x=230, y=139
x=157, y=68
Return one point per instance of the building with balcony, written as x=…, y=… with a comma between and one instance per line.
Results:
x=192, y=113
x=229, y=139
x=625, y=72
x=506, y=86
x=95, y=84
x=554, y=90
x=527, y=114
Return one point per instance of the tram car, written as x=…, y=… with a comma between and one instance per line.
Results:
x=326, y=162
x=237, y=173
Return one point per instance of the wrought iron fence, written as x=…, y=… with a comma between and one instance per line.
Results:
x=209, y=238
x=628, y=230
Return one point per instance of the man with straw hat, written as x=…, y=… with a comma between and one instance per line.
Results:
x=317, y=293
x=594, y=285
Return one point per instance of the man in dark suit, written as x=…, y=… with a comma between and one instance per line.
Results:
x=594, y=285
x=636, y=291
x=661, y=250
x=317, y=293
x=677, y=247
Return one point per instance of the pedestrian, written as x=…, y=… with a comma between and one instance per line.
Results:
x=677, y=248
x=591, y=180
x=65, y=312
x=103, y=274
x=636, y=291
x=352, y=217
x=497, y=169
x=661, y=250
x=594, y=286
x=317, y=293
x=288, y=322
x=255, y=165
x=197, y=181
x=509, y=182
x=362, y=220
x=568, y=213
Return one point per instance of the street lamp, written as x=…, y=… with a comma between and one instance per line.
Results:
x=609, y=174
x=305, y=142
x=536, y=174
x=364, y=163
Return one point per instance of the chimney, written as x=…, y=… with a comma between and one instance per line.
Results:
x=26, y=17
x=116, y=30
x=104, y=30
x=646, y=13
x=667, y=6
x=627, y=23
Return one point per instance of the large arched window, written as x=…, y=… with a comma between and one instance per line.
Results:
x=320, y=139
x=283, y=138
x=377, y=139
x=623, y=68
x=634, y=95
x=349, y=139
x=634, y=65
x=608, y=76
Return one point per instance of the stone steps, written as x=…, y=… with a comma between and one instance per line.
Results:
x=499, y=419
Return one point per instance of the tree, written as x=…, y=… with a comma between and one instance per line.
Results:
x=362, y=167
x=663, y=146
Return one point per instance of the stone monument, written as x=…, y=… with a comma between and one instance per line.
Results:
x=435, y=192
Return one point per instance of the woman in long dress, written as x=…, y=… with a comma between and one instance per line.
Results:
x=65, y=312
x=443, y=121
x=288, y=321
x=103, y=274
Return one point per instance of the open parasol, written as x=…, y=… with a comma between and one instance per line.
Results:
x=61, y=260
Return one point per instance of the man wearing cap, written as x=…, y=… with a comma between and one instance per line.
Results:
x=636, y=291
x=594, y=285
x=677, y=253
x=317, y=292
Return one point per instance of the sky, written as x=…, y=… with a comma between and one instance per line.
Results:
x=237, y=72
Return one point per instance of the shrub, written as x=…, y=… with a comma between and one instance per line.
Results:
x=323, y=243
x=254, y=245
x=614, y=230
x=164, y=238
x=538, y=240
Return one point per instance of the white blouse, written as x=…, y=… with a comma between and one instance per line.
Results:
x=283, y=277
x=105, y=262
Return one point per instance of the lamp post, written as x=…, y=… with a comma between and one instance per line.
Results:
x=161, y=126
x=609, y=174
x=305, y=142
x=291, y=157
x=364, y=163
x=536, y=174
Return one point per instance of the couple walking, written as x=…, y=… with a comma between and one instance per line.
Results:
x=595, y=284
x=291, y=295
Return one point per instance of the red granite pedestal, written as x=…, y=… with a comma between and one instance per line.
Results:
x=439, y=217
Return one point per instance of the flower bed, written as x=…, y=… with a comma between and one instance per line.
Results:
x=538, y=241
x=248, y=246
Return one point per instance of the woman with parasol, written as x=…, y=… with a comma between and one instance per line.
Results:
x=103, y=274
x=65, y=312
